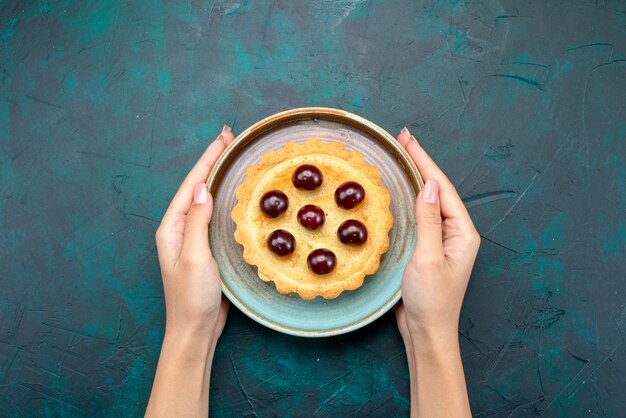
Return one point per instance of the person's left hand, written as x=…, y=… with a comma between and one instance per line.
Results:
x=191, y=281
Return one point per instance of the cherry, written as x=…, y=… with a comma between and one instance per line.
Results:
x=311, y=217
x=352, y=232
x=349, y=194
x=307, y=177
x=321, y=261
x=273, y=203
x=281, y=242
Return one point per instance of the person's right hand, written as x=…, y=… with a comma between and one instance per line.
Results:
x=436, y=277
x=433, y=287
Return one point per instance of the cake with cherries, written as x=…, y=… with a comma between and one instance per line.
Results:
x=313, y=218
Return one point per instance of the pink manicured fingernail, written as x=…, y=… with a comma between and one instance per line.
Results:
x=431, y=191
x=406, y=131
x=200, y=194
x=225, y=128
x=415, y=139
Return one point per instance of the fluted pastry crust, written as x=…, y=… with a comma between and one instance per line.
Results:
x=291, y=274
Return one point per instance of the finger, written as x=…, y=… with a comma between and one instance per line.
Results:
x=199, y=173
x=226, y=135
x=398, y=310
x=170, y=234
x=428, y=218
x=201, y=170
x=404, y=136
x=223, y=314
x=451, y=204
x=400, y=314
x=196, y=239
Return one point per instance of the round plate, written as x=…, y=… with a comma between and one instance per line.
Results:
x=288, y=313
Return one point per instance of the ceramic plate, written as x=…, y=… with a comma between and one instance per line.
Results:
x=288, y=313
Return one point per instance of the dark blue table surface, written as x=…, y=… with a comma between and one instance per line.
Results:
x=104, y=106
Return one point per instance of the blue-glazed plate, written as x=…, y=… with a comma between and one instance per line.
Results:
x=288, y=313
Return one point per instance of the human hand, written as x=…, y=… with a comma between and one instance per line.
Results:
x=433, y=286
x=191, y=280
x=195, y=308
x=435, y=280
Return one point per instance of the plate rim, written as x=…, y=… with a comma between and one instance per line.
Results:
x=307, y=113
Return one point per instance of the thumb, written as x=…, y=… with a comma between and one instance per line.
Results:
x=196, y=239
x=428, y=217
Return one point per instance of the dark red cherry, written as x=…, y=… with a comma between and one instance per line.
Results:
x=273, y=203
x=307, y=177
x=349, y=194
x=281, y=242
x=352, y=232
x=311, y=217
x=321, y=261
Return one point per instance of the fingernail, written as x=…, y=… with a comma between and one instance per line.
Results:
x=200, y=194
x=431, y=191
x=221, y=137
x=415, y=139
x=406, y=131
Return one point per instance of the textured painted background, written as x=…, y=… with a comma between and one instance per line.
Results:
x=104, y=106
